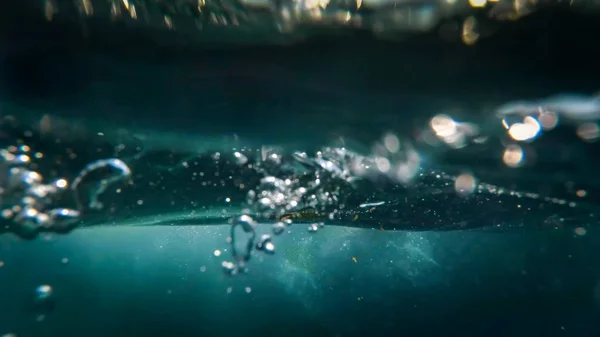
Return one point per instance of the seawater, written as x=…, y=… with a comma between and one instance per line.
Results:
x=151, y=249
x=243, y=203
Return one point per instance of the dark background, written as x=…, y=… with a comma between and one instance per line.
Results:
x=348, y=85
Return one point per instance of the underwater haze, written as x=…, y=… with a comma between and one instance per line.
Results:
x=335, y=185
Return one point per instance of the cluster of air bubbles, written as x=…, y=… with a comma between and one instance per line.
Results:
x=272, y=197
x=316, y=184
x=294, y=182
x=304, y=187
x=525, y=121
x=453, y=133
x=29, y=204
x=26, y=199
x=313, y=228
x=397, y=160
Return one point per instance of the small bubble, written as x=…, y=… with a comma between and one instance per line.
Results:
x=588, y=131
x=202, y=269
x=465, y=184
x=391, y=142
x=9, y=335
x=1, y=263
x=43, y=300
x=248, y=290
x=229, y=290
x=23, y=158
x=61, y=183
x=278, y=228
x=7, y=213
x=43, y=292
x=229, y=268
x=270, y=247
x=217, y=253
x=580, y=231
x=240, y=158
x=64, y=260
x=266, y=244
x=313, y=228
x=513, y=155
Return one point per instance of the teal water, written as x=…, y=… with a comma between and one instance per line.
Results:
x=414, y=210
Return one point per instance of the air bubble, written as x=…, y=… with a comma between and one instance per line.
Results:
x=32, y=204
x=279, y=228
x=63, y=218
x=43, y=300
x=21, y=178
x=313, y=228
x=229, y=268
x=43, y=292
x=240, y=159
x=242, y=237
x=123, y=172
x=271, y=197
x=246, y=223
x=266, y=244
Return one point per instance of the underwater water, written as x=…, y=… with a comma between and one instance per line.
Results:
x=334, y=187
